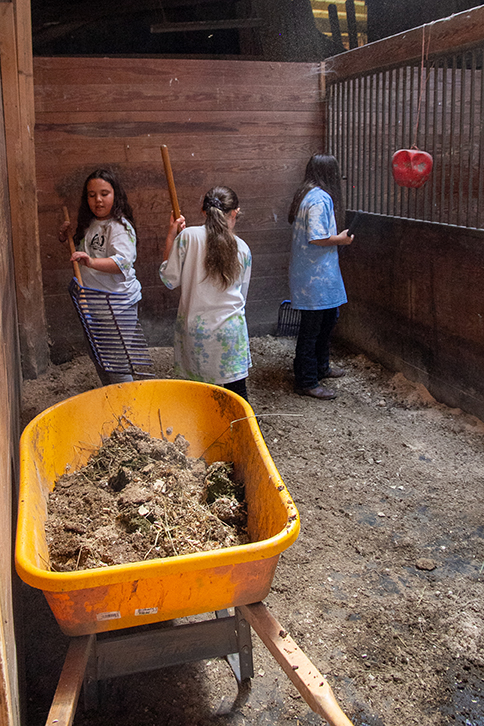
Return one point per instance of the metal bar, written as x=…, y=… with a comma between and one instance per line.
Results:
x=359, y=142
x=437, y=85
x=356, y=142
x=480, y=183
x=452, y=147
x=363, y=161
x=404, y=142
x=428, y=106
x=344, y=126
x=444, y=138
x=241, y=662
x=375, y=113
x=396, y=189
x=345, y=169
x=364, y=169
x=244, y=642
x=173, y=645
x=354, y=145
x=369, y=145
x=472, y=116
x=460, y=145
x=337, y=134
x=384, y=142
x=412, y=127
x=391, y=140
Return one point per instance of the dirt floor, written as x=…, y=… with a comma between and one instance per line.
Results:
x=384, y=588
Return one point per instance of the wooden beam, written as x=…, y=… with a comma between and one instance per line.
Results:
x=63, y=707
x=18, y=94
x=60, y=19
x=312, y=686
x=206, y=25
x=456, y=32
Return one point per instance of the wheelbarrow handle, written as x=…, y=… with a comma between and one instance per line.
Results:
x=312, y=686
x=72, y=247
x=170, y=180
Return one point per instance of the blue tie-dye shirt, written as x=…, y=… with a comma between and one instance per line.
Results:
x=315, y=279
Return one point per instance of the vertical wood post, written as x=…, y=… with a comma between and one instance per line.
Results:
x=18, y=94
x=10, y=377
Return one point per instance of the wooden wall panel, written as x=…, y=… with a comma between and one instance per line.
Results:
x=18, y=113
x=249, y=125
x=416, y=304
x=10, y=380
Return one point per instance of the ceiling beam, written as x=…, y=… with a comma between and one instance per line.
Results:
x=206, y=25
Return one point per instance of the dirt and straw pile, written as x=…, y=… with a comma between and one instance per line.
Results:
x=140, y=498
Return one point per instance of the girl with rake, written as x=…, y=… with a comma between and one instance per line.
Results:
x=212, y=266
x=106, y=242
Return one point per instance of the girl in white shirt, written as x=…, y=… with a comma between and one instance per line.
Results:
x=212, y=266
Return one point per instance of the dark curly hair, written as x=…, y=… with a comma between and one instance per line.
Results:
x=121, y=207
x=222, y=262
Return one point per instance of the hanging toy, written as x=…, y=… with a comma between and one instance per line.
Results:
x=411, y=167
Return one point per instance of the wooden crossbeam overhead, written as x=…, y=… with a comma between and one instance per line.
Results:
x=57, y=20
x=56, y=12
x=206, y=25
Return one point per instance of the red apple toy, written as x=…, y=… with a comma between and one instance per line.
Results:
x=411, y=167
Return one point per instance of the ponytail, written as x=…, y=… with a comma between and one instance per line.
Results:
x=222, y=262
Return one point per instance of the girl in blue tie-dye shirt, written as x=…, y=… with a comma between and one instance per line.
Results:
x=315, y=280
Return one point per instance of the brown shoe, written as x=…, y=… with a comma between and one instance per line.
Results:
x=319, y=392
x=334, y=373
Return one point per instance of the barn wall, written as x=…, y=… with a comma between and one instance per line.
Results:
x=249, y=125
x=416, y=304
x=10, y=378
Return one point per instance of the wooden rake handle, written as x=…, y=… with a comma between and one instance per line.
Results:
x=72, y=247
x=170, y=180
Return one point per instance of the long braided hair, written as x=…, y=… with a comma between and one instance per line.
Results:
x=222, y=262
x=121, y=207
x=322, y=171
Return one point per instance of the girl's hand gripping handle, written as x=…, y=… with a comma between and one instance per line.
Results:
x=72, y=247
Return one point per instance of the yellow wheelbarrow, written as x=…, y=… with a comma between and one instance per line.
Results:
x=219, y=425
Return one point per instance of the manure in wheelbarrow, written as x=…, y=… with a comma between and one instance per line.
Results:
x=140, y=498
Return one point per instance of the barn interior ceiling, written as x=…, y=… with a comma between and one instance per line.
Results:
x=286, y=30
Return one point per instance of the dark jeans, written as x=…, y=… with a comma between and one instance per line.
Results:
x=312, y=347
x=238, y=387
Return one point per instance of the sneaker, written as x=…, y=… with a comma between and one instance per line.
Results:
x=318, y=392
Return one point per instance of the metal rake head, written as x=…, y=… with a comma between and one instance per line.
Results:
x=112, y=329
x=288, y=320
